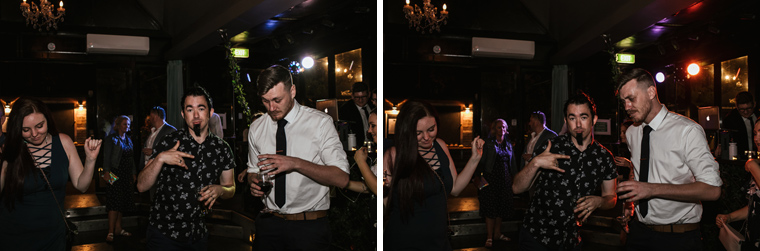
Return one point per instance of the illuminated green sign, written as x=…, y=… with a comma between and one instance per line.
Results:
x=625, y=58
x=240, y=52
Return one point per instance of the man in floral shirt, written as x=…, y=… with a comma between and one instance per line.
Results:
x=567, y=175
x=183, y=166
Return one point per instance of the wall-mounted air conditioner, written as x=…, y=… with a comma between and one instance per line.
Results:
x=503, y=48
x=116, y=44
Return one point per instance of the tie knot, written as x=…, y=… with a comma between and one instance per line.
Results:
x=282, y=123
x=647, y=129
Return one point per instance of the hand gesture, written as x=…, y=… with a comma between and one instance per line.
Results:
x=477, y=147
x=586, y=205
x=548, y=160
x=209, y=194
x=174, y=157
x=361, y=155
x=92, y=148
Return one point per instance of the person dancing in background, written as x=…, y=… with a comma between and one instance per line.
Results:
x=369, y=173
x=36, y=162
x=422, y=175
x=495, y=194
x=750, y=212
x=118, y=158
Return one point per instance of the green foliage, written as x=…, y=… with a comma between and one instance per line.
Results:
x=237, y=86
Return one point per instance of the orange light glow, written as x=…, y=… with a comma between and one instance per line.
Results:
x=693, y=69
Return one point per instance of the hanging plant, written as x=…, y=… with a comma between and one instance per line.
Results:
x=234, y=71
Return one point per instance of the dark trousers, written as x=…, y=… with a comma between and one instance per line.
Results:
x=155, y=240
x=527, y=242
x=640, y=237
x=274, y=233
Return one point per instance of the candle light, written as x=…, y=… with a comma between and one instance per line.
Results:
x=61, y=8
x=444, y=12
x=408, y=8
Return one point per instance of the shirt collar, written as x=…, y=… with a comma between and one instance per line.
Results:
x=657, y=121
x=292, y=114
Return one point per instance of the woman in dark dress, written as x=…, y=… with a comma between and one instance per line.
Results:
x=750, y=213
x=422, y=176
x=35, y=153
x=495, y=166
x=118, y=158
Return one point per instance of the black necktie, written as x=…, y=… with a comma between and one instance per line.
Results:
x=644, y=169
x=279, y=181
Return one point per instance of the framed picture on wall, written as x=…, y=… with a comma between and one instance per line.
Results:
x=603, y=127
x=223, y=117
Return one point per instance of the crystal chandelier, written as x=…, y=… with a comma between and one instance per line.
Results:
x=42, y=16
x=425, y=19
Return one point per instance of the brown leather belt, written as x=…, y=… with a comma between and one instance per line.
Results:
x=303, y=216
x=674, y=228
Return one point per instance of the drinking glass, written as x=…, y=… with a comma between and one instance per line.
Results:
x=624, y=217
x=204, y=210
x=266, y=183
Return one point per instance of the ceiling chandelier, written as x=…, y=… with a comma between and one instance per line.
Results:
x=42, y=16
x=425, y=19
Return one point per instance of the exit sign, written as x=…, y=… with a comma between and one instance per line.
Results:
x=625, y=58
x=240, y=52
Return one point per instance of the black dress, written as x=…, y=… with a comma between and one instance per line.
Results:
x=119, y=195
x=427, y=229
x=496, y=199
x=36, y=222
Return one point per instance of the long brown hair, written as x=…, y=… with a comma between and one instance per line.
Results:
x=15, y=152
x=409, y=169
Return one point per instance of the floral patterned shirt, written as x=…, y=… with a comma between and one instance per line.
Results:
x=176, y=211
x=550, y=218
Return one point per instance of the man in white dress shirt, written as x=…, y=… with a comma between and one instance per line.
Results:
x=679, y=172
x=312, y=160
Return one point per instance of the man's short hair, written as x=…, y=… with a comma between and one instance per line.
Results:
x=160, y=111
x=640, y=75
x=540, y=116
x=272, y=76
x=744, y=98
x=579, y=99
x=359, y=87
x=197, y=91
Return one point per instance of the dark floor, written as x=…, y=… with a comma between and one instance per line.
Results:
x=95, y=240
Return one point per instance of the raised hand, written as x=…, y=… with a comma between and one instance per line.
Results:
x=548, y=160
x=92, y=147
x=175, y=157
x=477, y=147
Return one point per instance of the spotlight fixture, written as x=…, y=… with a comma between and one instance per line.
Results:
x=693, y=69
x=660, y=77
x=307, y=62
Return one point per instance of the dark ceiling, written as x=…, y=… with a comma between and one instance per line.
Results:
x=571, y=31
x=564, y=31
x=184, y=29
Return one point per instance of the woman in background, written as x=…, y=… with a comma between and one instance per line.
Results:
x=36, y=164
x=118, y=158
x=495, y=185
x=750, y=212
x=422, y=175
x=369, y=173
